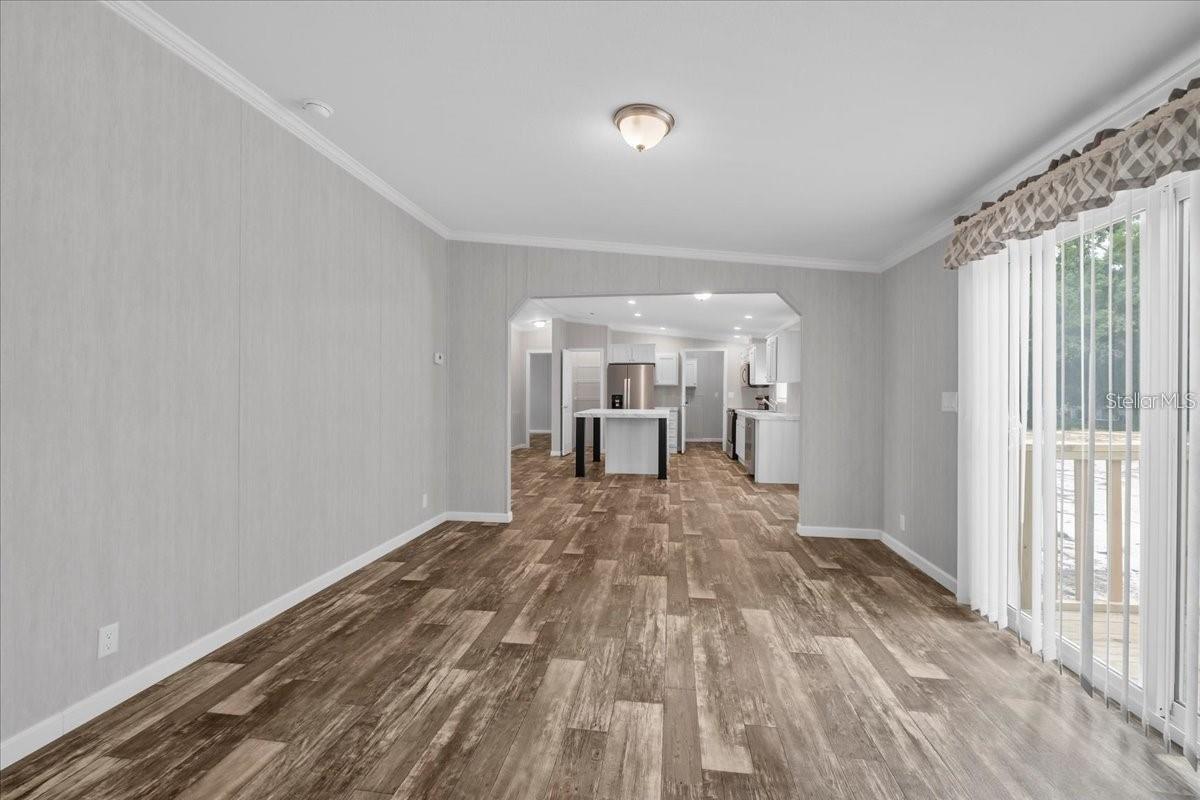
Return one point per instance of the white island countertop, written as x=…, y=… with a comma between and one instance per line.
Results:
x=766, y=416
x=625, y=413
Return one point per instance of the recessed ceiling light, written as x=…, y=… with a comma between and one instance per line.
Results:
x=662, y=327
x=539, y=323
x=637, y=313
x=632, y=302
x=749, y=317
x=320, y=109
x=643, y=125
x=737, y=327
x=702, y=296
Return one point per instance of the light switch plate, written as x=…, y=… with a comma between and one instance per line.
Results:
x=950, y=401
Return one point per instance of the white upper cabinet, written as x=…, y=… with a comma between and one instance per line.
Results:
x=770, y=367
x=787, y=357
x=631, y=353
x=689, y=372
x=666, y=369
x=758, y=364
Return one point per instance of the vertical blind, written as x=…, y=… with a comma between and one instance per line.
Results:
x=1079, y=508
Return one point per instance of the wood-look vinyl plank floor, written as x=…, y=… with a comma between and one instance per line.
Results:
x=623, y=637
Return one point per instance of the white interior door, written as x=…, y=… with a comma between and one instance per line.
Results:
x=567, y=392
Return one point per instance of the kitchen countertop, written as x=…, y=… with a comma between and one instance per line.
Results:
x=767, y=416
x=625, y=413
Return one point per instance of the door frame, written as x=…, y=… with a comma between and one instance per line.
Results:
x=529, y=383
x=566, y=425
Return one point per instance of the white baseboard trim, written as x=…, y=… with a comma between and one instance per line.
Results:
x=838, y=533
x=702, y=439
x=921, y=562
x=519, y=446
x=556, y=452
x=39, y=734
x=531, y=430
x=479, y=516
x=895, y=545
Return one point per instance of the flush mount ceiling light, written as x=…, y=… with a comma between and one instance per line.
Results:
x=748, y=316
x=637, y=313
x=632, y=302
x=737, y=327
x=643, y=125
x=662, y=327
x=702, y=296
x=539, y=323
x=318, y=108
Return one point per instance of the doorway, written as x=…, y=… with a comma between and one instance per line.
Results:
x=704, y=388
x=538, y=397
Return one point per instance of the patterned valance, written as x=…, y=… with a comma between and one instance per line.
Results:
x=1165, y=140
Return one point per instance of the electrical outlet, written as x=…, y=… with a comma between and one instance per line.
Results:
x=902, y=523
x=108, y=640
x=950, y=401
x=424, y=500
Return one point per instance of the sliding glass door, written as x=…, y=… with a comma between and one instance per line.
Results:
x=1098, y=441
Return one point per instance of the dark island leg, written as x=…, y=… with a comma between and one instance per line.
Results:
x=580, y=445
x=662, y=448
x=595, y=438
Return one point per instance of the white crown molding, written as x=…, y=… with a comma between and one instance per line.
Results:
x=156, y=27
x=168, y=35
x=1124, y=109
x=667, y=251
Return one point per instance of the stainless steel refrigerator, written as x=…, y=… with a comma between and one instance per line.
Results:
x=631, y=386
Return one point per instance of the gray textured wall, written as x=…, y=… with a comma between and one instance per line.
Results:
x=920, y=361
x=216, y=380
x=539, y=392
x=839, y=398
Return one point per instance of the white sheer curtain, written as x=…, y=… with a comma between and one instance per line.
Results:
x=1079, y=516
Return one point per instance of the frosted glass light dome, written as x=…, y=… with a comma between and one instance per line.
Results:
x=642, y=125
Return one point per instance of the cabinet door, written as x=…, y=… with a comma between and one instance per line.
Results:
x=689, y=372
x=643, y=353
x=666, y=369
x=787, y=358
x=770, y=366
x=620, y=353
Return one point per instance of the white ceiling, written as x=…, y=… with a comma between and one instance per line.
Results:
x=668, y=314
x=838, y=131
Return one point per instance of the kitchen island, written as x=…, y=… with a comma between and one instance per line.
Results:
x=636, y=440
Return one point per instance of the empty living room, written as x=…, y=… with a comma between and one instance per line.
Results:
x=645, y=400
